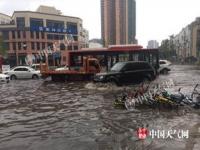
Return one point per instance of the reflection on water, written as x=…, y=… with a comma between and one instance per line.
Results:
x=44, y=115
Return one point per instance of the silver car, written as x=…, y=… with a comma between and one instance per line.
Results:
x=23, y=72
x=164, y=66
x=4, y=78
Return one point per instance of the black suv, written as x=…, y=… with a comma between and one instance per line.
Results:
x=127, y=73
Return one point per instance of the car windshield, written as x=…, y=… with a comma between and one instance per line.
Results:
x=117, y=67
x=162, y=62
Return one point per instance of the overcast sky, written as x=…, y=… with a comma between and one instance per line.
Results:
x=156, y=19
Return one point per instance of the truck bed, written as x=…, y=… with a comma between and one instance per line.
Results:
x=67, y=75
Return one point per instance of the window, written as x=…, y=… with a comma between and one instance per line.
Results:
x=61, y=37
x=94, y=64
x=24, y=34
x=38, y=46
x=13, y=34
x=42, y=33
x=162, y=62
x=69, y=48
x=24, y=46
x=55, y=24
x=75, y=38
x=18, y=34
x=19, y=46
x=25, y=69
x=136, y=66
x=118, y=67
x=75, y=47
x=34, y=22
x=37, y=35
x=32, y=45
x=50, y=36
x=20, y=22
x=32, y=34
x=14, y=45
x=128, y=67
x=43, y=45
x=6, y=45
x=62, y=46
x=64, y=58
x=56, y=37
x=18, y=69
x=145, y=66
x=21, y=69
x=50, y=45
x=5, y=35
x=72, y=27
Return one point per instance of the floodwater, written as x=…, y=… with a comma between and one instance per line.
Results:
x=38, y=115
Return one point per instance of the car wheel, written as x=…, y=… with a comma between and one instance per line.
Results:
x=164, y=71
x=114, y=82
x=66, y=78
x=146, y=80
x=35, y=76
x=13, y=77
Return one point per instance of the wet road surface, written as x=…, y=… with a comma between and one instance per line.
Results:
x=38, y=115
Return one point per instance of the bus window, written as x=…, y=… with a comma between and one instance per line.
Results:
x=94, y=64
x=135, y=57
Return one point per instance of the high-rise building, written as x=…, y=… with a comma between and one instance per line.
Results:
x=118, y=22
x=153, y=44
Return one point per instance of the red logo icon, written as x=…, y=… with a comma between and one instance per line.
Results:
x=142, y=133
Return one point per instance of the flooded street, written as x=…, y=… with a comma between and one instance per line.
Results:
x=38, y=115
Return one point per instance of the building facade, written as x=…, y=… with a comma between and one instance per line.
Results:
x=152, y=44
x=182, y=43
x=187, y=42
x=32, y=32
x=5, y=19
x=118, y=22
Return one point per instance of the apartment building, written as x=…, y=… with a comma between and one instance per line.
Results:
x=152, y=44
x=187, y=41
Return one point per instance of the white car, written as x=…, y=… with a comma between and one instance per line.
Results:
x=4, y=78
x=23, y=72
x=164, y=66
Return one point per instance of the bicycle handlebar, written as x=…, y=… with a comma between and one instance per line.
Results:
x=196, y=86
x=194, y=90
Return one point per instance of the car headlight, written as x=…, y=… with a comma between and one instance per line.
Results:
x=101, y=77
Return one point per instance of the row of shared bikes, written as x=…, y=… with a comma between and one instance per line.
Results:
x=157, y=96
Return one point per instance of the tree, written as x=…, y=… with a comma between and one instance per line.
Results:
x=2, y=47
x=167, y=48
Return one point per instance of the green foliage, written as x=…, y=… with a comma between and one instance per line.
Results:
x=167, y=48
x=2, y=47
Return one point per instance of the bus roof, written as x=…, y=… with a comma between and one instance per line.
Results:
x=113, y=48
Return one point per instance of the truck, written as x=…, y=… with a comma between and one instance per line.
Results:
x=83, y=64
x=85, y=71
